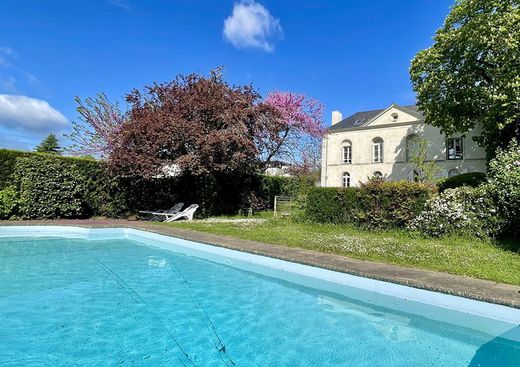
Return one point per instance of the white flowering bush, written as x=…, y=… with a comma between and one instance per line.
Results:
x=464, y=210
x=504, y=185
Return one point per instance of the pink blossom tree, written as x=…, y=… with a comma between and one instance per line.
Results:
x=292, y=132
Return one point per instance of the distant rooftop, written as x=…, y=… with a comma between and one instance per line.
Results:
x=359, y=118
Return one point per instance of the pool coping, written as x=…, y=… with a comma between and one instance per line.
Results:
x=477, y=289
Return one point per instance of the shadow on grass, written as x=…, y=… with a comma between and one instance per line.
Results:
x=508, y=244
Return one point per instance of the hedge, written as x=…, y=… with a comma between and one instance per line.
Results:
x=472, y=179
x=7, y=162
x=376, y=204
x=54, y=187
x=49, y=186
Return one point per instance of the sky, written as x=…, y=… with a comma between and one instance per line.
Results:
x=350, y=55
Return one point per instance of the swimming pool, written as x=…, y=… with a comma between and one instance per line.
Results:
x=121, y=297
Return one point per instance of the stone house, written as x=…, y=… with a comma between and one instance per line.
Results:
x=380, y=142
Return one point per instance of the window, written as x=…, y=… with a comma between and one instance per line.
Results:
x=453, y=172
x=395, y=116
x=454, y=148
x=377, y=152
x=377, y=175
x=412, y=144
x=347, y=152
x=345, y=179
x=413, y=176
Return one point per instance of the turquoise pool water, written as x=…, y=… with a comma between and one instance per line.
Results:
x=119, y=302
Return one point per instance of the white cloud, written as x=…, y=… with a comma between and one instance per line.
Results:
x=251, y=25
x=30, y=114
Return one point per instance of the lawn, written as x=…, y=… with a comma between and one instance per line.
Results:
x=497, y=261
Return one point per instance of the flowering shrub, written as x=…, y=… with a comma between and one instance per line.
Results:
x=504, y=185
x=464, y=210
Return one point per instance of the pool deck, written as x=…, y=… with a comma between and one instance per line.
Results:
x=483, y=290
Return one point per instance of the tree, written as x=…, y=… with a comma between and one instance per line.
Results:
x=97, y=131
x=293, y=133
x=418, y=156
x=470, y=76
x=194, y=125
x=197, y=125
x=49, y=145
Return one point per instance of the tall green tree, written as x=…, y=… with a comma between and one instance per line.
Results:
x=471, y=75
x=49, y=145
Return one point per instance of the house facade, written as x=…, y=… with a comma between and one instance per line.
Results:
x=380, y=143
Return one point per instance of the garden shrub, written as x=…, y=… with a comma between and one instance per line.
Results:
x=387, y=204
x=376, y=204
x=7, y=162
x=504, y=185
x=330, y=205
x=52, y=187
x=8, y=202
x=464, y=210
x=471, y=179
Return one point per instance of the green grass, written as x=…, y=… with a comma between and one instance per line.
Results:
x=471, y=257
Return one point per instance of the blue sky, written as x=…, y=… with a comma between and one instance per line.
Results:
x=351, y=55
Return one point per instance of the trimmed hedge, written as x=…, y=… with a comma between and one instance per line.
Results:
x=8, y=202
x=471, y=179
x=49, y=186
x=54, y=187
x=376, y=204
x=7, y=162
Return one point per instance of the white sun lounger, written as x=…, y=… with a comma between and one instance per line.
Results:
x=186, y=213
x=154, y=215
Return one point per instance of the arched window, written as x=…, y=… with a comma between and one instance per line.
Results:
x=453, y=172
x=413, y=176
x=345, y=179
x=346, y=153
x=377, y=175
x=412, y=144
x=377, y=150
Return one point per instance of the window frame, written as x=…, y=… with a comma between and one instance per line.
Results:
x=379, y=144
x=346, y=180
x=346, y=147
x=449, y=142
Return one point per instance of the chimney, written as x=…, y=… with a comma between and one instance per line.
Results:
x=336, y=117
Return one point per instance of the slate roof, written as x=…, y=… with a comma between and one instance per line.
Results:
x=359, y=118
